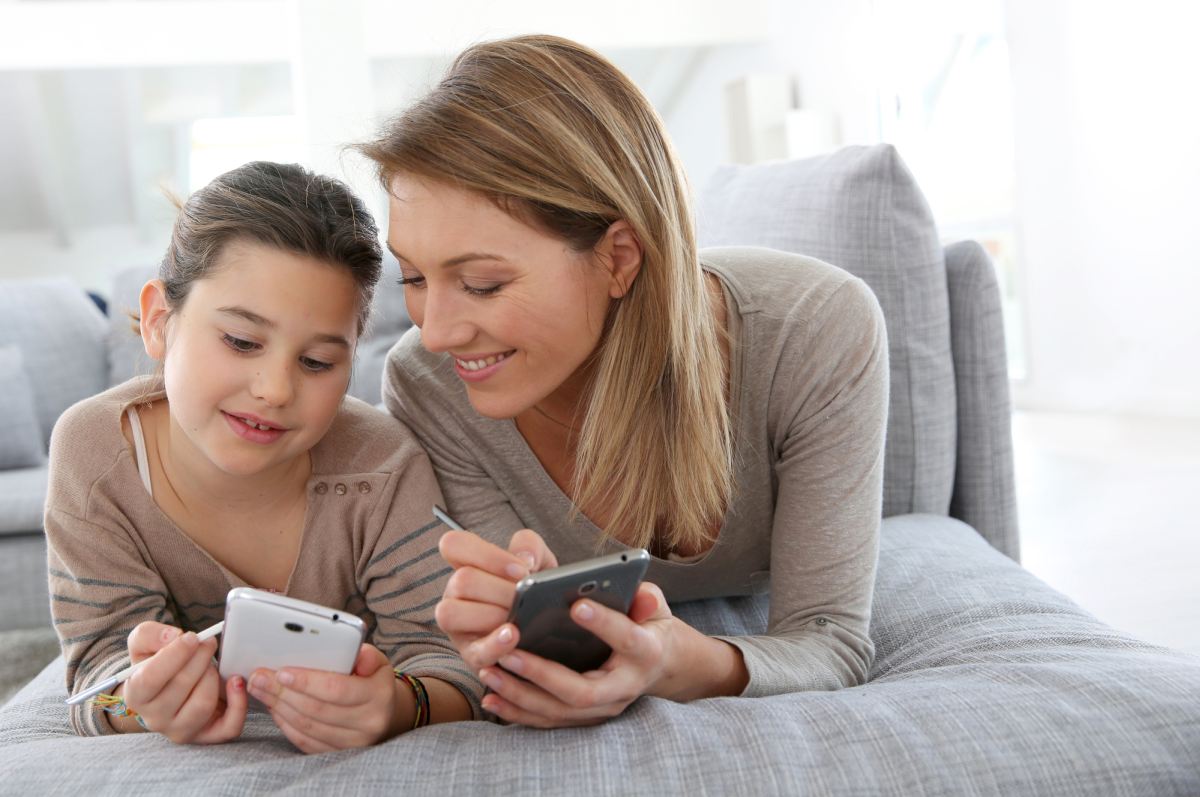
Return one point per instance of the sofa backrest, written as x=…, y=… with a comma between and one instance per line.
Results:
x=60, y=333
x=860, y=209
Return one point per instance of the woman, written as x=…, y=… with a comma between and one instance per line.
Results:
x=582, y=371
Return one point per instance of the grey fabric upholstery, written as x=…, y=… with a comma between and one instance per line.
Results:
x=985, y=495
x=986, y=682
x=54, y=321
x=22, y=494
x=20, y=434
x=26, y=601
x=860, y=209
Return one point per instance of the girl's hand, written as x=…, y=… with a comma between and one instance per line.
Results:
x=322, y=711
x=178, y=690
x=479, y=595
x=548, y=695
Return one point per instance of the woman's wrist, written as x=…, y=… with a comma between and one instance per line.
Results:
x=698, y=666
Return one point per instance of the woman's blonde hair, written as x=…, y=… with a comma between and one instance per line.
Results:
x=560, y=138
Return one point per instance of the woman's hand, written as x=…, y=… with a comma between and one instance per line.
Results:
x=549, y=695
x=321, y=711
x=479, y=595
x=178, y=690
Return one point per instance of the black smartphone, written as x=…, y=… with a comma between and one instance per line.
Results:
x=542, y=607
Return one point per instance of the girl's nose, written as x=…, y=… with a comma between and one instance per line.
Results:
x=273, y=384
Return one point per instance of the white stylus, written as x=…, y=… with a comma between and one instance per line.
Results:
x=109, y=684
x=441, y=515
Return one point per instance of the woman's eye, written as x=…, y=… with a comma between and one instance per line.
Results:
x=239, y=345
x=416, y=282
x=481, y=291
x=315, y=365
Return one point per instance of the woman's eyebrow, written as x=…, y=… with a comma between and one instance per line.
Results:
x=454, y=261
x=255, y=318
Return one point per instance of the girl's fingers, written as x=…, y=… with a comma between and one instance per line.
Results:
x=199, y=707
x=464, y=549
x=172, y=696
x=151, y=678
x=229, y=724
x=148, y=638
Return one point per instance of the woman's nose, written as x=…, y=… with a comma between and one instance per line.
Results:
x=444, y=325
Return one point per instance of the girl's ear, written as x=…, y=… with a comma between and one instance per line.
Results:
x=154, y=313
x=621, y=252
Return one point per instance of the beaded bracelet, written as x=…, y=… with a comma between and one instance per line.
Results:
x=115, y=705
x=421, y=696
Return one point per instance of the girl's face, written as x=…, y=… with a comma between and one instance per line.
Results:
x=257, y=359
x=517, y=310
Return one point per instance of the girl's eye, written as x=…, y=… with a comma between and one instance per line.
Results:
x=315, y=366
x=416, y=282
x=239, y=345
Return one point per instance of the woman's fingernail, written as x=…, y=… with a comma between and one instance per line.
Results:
x=505, y=634
x=285, y=678
x=511, y=663
x=584, y=611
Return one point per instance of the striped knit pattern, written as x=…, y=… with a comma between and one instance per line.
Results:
x=369, y=546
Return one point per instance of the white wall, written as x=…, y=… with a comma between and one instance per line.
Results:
x=1108, y=166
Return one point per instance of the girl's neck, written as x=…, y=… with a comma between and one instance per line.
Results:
x=200, y=487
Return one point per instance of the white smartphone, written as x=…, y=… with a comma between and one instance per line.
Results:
x=265, y=629
x=542, y=607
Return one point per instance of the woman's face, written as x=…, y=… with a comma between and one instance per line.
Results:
x=516, y=309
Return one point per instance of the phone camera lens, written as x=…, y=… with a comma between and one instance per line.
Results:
x=294, y=627
x=624, y=558
x=335, y=618
x=587, y=587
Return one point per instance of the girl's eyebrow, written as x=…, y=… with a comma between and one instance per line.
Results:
x=255, y=318
x=454, y=261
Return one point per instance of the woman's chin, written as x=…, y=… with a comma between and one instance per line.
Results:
x=497, y=408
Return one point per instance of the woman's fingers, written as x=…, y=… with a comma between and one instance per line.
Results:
x=621, y=633
x=472, y=584
x=488, y=649
x=468, y=618
x=464, y=549
x=531, y=549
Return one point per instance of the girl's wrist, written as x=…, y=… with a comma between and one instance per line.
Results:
x=404, y=712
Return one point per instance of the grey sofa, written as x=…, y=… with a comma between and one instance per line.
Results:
x=986, y=681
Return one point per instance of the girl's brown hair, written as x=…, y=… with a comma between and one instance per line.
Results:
x=281, y=205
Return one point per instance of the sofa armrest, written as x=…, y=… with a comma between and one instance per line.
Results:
x=984, y=494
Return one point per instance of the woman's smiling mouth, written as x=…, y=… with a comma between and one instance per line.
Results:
x=480, y=367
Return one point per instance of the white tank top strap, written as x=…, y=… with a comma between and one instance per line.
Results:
x=139, y=446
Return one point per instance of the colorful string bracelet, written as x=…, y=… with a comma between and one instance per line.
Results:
x=115, y=705
x=419, y=694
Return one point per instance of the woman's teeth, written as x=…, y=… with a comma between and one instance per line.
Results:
x=475, y=365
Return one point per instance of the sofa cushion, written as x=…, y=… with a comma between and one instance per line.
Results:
x=127, y=356
x=60, y=332
x=20, y=434
x=22, y=499
x=861, y=209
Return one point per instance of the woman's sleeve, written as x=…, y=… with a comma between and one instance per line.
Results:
x=832, y=389
x=402, y=576
x=100, y=589
x=473, y=498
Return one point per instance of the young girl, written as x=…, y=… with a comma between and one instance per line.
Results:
x=243, y=463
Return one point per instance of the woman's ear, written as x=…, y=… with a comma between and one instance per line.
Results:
x=154, y=313
x=621, y=252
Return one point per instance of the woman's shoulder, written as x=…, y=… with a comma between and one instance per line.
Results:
x=364, y=439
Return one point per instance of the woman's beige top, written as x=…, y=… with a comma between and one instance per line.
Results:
x=809, y=392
